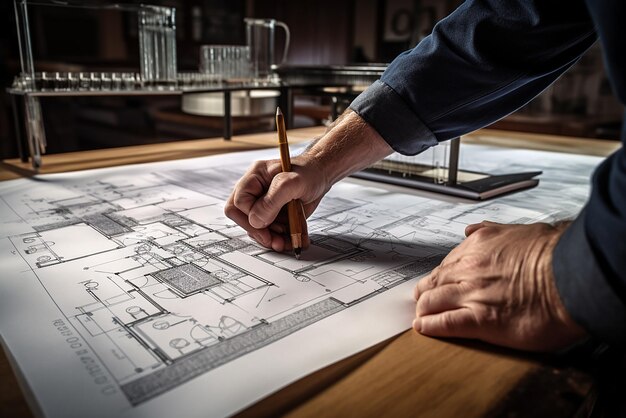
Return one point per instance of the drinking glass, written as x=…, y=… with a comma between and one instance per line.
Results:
x=106, y=81
x=157, y=45
x=116, y=81
x=61, y=81
x=84, y=80
x=72, y=81
x=95, y=81
x=225, y=62
x=260, y=35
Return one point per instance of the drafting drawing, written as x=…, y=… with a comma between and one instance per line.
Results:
x=163, y=288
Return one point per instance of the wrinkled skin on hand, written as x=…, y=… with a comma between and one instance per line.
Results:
x=258, y=200
x=497, y=286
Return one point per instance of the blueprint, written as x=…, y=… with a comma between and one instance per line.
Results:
x=127, y=292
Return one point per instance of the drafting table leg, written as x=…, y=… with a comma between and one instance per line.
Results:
x=18, y=123
x=228, y=117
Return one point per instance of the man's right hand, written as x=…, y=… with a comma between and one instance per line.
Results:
x=258, y=199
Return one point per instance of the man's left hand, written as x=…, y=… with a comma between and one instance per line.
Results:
x=498, y=286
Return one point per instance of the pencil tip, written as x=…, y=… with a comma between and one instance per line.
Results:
x=278, y=111
x=297, y=252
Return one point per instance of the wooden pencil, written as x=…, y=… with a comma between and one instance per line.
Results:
x=295, y=211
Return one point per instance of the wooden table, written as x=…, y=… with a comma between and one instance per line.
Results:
x=408, y=375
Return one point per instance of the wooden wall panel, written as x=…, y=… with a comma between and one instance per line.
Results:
x=321, y=31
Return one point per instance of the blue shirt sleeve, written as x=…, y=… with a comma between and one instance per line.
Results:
x=588, y=288
x=589, y=261
x=486, y=60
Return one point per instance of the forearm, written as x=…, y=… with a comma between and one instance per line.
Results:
x=348, y=146
x=481, y=63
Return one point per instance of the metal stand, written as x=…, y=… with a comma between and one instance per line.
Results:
x=453, y=161
x=415, y=176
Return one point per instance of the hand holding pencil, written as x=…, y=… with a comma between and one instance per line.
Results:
x=260, y=201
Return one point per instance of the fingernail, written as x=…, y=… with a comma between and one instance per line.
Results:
x=417, y=324
x=416, y=293
x=256, y=222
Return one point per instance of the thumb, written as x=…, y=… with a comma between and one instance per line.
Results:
x=470, y=229
x=284, y=188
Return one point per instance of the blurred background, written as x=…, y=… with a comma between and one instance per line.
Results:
x=324, y=32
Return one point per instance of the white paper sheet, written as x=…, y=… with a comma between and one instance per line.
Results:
x=127, y=292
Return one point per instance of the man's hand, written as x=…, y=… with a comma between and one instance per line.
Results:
x=257, y=201
x=497, y=286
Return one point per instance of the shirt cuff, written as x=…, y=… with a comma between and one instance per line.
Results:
x=383, y=109
x=584, y=289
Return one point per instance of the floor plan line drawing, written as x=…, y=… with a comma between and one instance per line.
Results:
x=163, y=288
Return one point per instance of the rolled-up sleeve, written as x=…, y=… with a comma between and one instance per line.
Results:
x=486, y=60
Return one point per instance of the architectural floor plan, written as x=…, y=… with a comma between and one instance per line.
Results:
x=127, y=291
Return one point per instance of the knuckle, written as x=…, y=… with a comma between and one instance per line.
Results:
x=482, y=232
x=292, y=179
x=279, y=180
x=449, y=292
x=268, y=204
x=285, y=181
x=464, y=288
x=448, y=322
x=256, y=180
x=490, y=223
x=473, y=261
x=444, y=272
x=433, y=277
x=259, y=165
x=229, y=209
x=249, y=187
x=284, y=188
x=239, y=200
x=469, y=229
x=273, y=166
x=265, y=169
x=485, y=315
x=432, y=280
x=421, y=307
